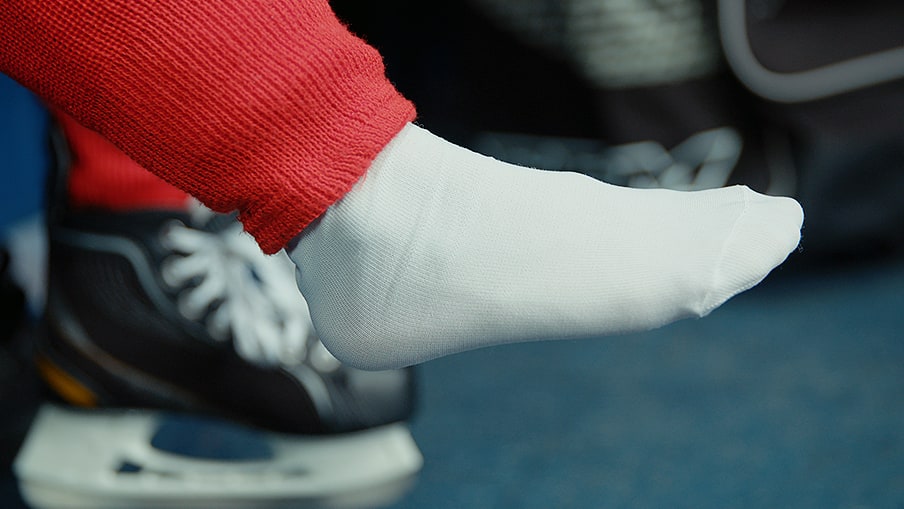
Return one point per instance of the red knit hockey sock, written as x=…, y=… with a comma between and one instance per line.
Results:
x=268, y=107
x=102, y=176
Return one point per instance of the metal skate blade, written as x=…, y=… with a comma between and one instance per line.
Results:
x=104, y=459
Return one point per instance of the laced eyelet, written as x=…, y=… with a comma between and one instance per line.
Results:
x=168, y=274
x=164, y=235
x=222, y=277
x=186, y=309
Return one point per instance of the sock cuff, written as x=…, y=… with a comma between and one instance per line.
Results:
x=272, y=108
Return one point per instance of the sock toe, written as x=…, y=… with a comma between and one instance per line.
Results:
x=765, y=233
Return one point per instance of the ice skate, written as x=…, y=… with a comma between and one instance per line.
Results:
x=189, y=375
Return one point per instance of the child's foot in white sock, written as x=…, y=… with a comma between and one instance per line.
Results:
x=439, y=250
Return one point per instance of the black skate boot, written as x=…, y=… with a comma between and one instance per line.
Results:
x=189, y=365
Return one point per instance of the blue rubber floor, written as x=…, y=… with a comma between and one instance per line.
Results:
x=791, y=395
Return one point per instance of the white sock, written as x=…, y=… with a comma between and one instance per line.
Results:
x=439, y=250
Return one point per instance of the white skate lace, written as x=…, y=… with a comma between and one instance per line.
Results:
x=260, y=307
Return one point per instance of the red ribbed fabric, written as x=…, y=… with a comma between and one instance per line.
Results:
x=270, y=107
x=102, y=176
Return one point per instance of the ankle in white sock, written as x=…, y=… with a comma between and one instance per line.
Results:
x=439, y=250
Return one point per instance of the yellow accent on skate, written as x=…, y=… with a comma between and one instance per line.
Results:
x=70, y=389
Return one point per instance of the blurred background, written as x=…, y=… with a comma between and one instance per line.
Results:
x=790, y=395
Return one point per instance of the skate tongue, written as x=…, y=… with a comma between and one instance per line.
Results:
x=200, y=438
